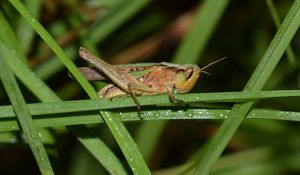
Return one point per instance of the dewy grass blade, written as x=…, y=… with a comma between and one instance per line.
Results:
x=261, y=74
x=10, y=122
x=92, y=105
x=95, y=146
x=132, y=154
x=24, y=117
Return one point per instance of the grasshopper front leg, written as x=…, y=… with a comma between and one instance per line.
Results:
x=173, y=98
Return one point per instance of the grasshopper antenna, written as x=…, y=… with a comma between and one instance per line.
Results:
x=205, y=72
x=210, y=64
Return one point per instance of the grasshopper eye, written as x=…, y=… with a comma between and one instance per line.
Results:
x=188, y=73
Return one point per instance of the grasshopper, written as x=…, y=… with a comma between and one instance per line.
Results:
x=159, y=78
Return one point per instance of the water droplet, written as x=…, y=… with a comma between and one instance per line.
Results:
x=13, y=140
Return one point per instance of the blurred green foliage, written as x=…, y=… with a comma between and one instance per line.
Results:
x=124, y=31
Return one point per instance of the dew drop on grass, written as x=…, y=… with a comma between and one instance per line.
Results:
x=13, y=140
x=253, y=115
x=180, y=111
x=133, y=169
x=292, y=115
x=221, y=115
x=148, y=113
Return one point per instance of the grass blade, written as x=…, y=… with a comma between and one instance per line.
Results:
x=9, y=122
x=290, y=54
x=24, y=117
x=9, y=38
x=256, y=82
x=92, y=105
x=206, y=20
x=97, y=148
x=132, y=154
x=54, y=46
x=101, y=29
x=192, y=46
x=25, y=32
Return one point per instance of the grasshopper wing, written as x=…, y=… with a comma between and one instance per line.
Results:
x=92, y=73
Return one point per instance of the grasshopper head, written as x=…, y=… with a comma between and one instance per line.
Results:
x=187, y=77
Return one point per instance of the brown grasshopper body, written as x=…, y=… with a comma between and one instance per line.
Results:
x=159, y=78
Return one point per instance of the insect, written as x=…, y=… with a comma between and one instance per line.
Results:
x=158, y=78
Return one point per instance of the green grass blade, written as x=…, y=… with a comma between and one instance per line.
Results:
x=189, y=51
x=54, y=65
x=276, y=49
x=92, y=105
x=38, y=88
x=8, y=137
x=9, y=122
x=97, y=148
x=24, y=117
x=127, y=145
x=25, y=32
x=132, y=154
x=256, y=82
x=259, y=161
x=54, y=46
x=44, y=93
x=8, y=37
x=289, y=51
x=206, y=21
x=118, y=16
x=145, y=139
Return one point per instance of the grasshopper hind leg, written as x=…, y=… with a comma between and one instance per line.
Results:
x=132, y=94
